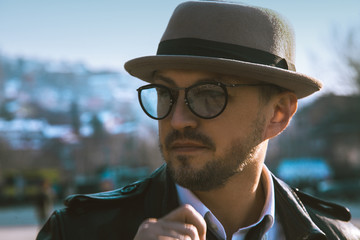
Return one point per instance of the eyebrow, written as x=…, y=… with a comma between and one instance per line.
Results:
x=164, y=79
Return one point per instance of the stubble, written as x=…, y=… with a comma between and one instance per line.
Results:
x=217, y=171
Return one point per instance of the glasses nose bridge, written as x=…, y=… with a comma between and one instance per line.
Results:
x=175, y=93
x=181, y=115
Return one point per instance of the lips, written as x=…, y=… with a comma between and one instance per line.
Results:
x=187, y=146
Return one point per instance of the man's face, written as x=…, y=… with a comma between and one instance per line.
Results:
x=202, y=154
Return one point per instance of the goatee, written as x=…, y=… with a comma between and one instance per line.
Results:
x=217, y=171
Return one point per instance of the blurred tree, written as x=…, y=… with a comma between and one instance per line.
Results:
x=5, y=112
x=339, y=127
x=20, y=67
x=347, y=47
x=98, y=128
x=75, y=117
x=2, y=77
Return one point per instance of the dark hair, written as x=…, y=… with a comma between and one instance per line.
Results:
x=268, y=91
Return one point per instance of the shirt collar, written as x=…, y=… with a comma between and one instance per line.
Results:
x=187, y=197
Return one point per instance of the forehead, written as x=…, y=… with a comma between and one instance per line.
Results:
x=189, y=77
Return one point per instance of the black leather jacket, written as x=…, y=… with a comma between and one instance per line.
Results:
x=117, y=214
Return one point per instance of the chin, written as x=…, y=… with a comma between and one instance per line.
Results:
x=187, y=162
x=198, y=177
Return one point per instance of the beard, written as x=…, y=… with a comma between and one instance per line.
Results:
x=218, y=170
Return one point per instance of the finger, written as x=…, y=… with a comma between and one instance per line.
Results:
x=166, y=230
x=148, y=229
x=184, y=230
x=173, y=238
x=187, y=214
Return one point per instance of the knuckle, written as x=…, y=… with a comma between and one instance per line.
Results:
x=192, y=231
x=147, y=223
x=150, y=220
x=186, y=238
x=146, y=229
x=188, y=208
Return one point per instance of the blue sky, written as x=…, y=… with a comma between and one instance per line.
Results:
x=106, y=33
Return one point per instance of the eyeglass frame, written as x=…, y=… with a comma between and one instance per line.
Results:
x=173, y=100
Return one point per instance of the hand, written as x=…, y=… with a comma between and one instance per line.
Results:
x=182, y=223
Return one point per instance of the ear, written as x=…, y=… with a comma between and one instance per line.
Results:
x=283, y=108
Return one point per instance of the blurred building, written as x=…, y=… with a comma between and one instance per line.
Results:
x=328, y=129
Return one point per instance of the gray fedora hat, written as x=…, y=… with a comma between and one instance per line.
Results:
x=228, y=38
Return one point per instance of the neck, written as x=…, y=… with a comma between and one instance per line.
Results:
x=244, y=193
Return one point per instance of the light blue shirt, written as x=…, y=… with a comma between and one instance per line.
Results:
x=273, y=229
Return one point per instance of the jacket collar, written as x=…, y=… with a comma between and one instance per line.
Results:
x=293, y=216
x=161, y=198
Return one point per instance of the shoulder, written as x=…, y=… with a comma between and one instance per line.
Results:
x=130, y=193
x=88, y=216
x=126, y=192
x=327, y=208
x=307, y=201
x=333, y=219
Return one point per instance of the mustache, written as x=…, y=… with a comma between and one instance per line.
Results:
x=188, y=134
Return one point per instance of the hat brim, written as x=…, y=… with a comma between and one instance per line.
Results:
x=301, y=84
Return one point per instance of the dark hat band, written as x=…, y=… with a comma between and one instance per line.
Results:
x=207, y=48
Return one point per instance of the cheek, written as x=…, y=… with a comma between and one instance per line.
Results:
x=233, y=122
x=233, y=125
x=164, y=130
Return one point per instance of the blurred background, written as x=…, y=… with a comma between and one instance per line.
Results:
x=70, y=121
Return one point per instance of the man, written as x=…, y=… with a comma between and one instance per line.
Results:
x=223, y=83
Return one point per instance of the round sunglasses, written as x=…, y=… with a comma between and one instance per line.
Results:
x=205, y=99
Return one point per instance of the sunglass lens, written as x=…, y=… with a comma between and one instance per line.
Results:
x=207, y=100
x=155, y=101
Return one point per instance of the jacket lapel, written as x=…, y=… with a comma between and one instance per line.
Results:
x=293, y=216
x=161, y=197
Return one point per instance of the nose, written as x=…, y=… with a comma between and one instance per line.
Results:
x=181, y=116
